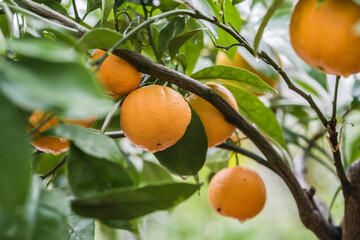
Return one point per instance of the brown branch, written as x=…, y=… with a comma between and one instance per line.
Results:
x=310, y=217
x=55, y=169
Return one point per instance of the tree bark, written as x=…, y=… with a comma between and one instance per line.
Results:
x=351, y=228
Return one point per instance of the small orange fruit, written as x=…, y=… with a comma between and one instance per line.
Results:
x=117, y=75
x=216, y=127
x=237, y=192
x=240, y=62
x=324, y=35
x=51, y=144
x=154, y=117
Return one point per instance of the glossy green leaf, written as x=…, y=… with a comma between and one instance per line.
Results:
x=176, y=43
x=102, y=38
x=80, y=228
x=153, y=173
x=92, y=143
x=234, y=76
x=14, y=156
x=188, y=155
x=45, y=50
x=173, y=28
x=126, y=204
x=256, y=112
x=65, y=88
x=89, y=175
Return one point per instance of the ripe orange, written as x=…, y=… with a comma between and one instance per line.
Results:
x=117, y=75
x=216, y=127
x=324, y=36
x=240, y=62
x=237, y=192
x=51, y=144
x=154, y=117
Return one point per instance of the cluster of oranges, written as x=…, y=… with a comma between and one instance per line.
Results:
x=155, y=117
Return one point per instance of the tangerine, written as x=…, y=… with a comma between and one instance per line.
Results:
x=324, y=35
x=50, y=144
x=216, y=127
x=117, y=75
x=154, y=117
x=237, y=192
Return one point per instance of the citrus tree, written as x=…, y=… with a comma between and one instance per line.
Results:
x=175, y=78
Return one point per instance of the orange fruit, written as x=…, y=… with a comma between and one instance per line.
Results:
x=324, y=35
x=154, y=117
x=117, y=75
x=237, y=192
x=51, y=144
x=216, y=127
x=240, y=62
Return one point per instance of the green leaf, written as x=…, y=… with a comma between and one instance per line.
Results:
x=176, y=43
x=80, y=228
x=153, y=173
x=50, y=217
x=173, y=28
x=2, y=44
x=54, y=5
x=317, y=76
x=231, y=15
x=66, y=88
x=234, y=2
x=95, y=144
x=126, y=204
x=102, y=38
x=89, y=175
x=107, y=6
x=45, y=162
x=256, y=112
x=274, y=6
x=44, y=49
x=130, y=225
x=235, y=77
x=14, y=156
x=92, y=5
x=167, y=5
x=192, y=48
x=188, y=155
x=43, y=217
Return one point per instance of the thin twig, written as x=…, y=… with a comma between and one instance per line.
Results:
x=77, y=18
x=110, y=115
x=335, y=97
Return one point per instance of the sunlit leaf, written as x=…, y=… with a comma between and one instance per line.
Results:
x=234, y=76
x=256, y=112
